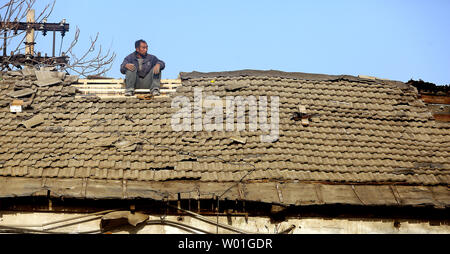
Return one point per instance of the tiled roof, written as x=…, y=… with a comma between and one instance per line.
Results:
x=369, y=141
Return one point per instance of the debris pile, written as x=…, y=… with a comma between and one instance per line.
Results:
x=21, y=87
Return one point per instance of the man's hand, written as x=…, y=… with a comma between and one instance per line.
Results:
x=130, y=67
x=156, y=69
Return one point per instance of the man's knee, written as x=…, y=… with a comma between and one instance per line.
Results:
x=156, y=76
x=131, y=73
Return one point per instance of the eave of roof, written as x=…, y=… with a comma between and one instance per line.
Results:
x=282, y=193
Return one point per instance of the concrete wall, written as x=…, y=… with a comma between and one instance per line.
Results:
x=254, y=224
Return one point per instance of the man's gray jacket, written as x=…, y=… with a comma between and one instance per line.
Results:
x=149, y=62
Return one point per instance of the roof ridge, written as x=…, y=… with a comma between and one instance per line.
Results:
x=293, y=75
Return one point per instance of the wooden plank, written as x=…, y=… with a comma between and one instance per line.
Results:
x=175, y=81
x=439, y=108
x=375, y=194
x=65, y=187
x=293, y=193
x=339, y=194
x=99, y=86
x=122, y=90
x=148, y=90
x=108, y=96
x=19, y=186
x=445, y=117
x=136, y=189
x=111, y=86
x=170, y=86
x=441, y=194
x=300, y=194
x=117, y=84
x=435, y=99
x=29, y=46
x=416, y=196
x=100, y=81
x=103, y=189
x=114, y=81
x=367, y=77
x=111, y=90
x=122, y=95
x=106, y=86
x=261, y=192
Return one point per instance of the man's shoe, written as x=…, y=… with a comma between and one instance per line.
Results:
x=129, y=93
x=156, y=93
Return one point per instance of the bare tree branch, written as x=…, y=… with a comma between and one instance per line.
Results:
x=89, y=63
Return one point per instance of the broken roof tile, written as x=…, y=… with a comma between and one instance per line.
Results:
x=35, y=120
x=21, y=93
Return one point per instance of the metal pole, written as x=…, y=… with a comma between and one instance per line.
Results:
x=4, y=43
x=54, y=34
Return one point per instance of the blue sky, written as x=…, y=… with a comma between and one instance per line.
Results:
x=397, y=39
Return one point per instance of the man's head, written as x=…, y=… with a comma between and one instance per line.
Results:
x=141, y=47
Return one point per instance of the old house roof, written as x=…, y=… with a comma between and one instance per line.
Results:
x=368, y=142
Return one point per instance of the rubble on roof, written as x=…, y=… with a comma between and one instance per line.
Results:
x=35, y=120
x=21, y=93
x=125, y=146
x=29, y=72
x=106, y=141
x=42, y=75
x=48, y=81
x=191, y=140
x=235, y=87
x=302, y=115
x=71, y=79
x=14, y=73
x=239, y=139
x=4, y=103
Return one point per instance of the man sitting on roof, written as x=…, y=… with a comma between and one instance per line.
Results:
x=142, y=70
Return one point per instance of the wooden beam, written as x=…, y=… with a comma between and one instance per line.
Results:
x=58, y=27
x=29, y=45
x=120, y=83
x=442, y=117
x=122, y=90
x=115, y=88
x=23, y=59
x=434, y=99
x=4, y=43
x=115, y=96
x=101, y=81
x=175, y=81
x=112, y=86
x=99, y=86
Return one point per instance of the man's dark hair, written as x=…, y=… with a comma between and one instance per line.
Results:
x=138, y=43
